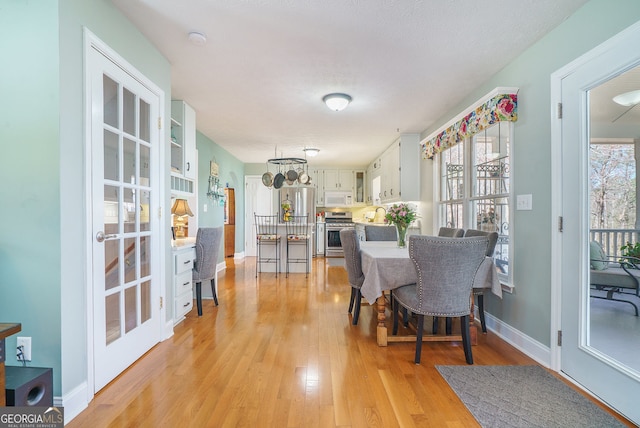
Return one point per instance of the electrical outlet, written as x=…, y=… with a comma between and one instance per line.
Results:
x=25, y=342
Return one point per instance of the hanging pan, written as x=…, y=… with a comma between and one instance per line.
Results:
x=267, y=179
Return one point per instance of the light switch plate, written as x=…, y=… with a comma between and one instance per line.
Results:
x=524, y=202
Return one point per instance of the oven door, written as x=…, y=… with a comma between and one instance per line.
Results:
x=333, y=246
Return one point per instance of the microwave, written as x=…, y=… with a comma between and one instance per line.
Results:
x=338, y=199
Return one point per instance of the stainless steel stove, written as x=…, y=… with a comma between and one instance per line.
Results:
x=335, y=222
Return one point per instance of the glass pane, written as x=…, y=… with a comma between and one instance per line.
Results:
x=453, y=216
x=145, y=121
x=145, y=165
x=145, y=226
x=110, y=101
x=111, y=156
x=129, y=161
x=112, y=317
x=145, y=301
x=111, y=263
x=130, y=257
x=145, y=256
x=130, y=308
x=491, y=161
x=111, y=211
x=452, y=167
x=129, y=210
x=129, y=118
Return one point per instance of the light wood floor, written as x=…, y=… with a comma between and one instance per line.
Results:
x=283, y=353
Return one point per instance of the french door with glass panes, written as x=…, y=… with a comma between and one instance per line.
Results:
x=124, y=193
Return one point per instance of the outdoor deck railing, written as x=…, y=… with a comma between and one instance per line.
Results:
x=612, y=239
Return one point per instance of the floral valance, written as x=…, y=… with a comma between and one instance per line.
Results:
x=502, y=106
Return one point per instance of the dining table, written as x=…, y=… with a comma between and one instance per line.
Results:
x=387, y=266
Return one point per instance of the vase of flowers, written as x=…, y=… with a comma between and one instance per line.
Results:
x=401, y=216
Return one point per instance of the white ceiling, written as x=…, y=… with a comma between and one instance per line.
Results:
x=258, y=82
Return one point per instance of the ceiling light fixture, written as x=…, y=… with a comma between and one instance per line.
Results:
x=197, y=38
x=337, y=101
x=310, y=151
x=628, y=99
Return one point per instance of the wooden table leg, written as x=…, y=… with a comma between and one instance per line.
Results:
x=382, y=328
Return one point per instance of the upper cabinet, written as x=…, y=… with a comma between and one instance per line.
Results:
x=395, y=175
x=183, y=147
x=339, y=180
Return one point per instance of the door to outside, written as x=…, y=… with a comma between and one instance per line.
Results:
x=592, y=363
x=124, y=192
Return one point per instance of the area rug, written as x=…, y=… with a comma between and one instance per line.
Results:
x=522, y=396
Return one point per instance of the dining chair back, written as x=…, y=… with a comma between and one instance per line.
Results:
x=479, y=292
x=267, y=236
x=380, y=233
x=353, y=265
x=298, y=235
x=446, y=268
x=208, y=243
x=450, y=232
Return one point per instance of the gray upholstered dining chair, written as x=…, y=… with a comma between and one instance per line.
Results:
x=380, y=233
x=450, y=232
x=353, y=265
x=479, y=292
x=208, y=241
x=447, y=232
x=446, y=268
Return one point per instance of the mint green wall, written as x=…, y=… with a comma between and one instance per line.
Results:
x=231, y=175
x=30, y=175
x=528, y=308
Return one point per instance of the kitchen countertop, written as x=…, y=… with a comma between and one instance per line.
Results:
x=181, y=242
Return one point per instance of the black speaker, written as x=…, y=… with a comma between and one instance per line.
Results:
x=29, y=386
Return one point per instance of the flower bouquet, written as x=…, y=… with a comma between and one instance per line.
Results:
x=401, y=215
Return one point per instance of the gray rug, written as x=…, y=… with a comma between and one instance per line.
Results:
x=522, y=396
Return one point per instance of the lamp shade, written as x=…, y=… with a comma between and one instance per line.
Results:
x=337, y=101
x=181, y=208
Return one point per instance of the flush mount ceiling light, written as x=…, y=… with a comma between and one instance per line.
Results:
x=310, y=151
x=628, y=99
x=337, y=101
x=197, y=38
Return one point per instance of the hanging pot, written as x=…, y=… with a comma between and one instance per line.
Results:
x=303, y=177
x=291, y=176
x=267, y=179
x=278, y=180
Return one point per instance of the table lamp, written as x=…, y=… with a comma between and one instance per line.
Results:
x=180, y=209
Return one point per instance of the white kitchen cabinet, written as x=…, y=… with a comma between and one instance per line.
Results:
x=339, y=179
x=183, y=258
x=399, y=168
x=183, y=146
x=317, y=181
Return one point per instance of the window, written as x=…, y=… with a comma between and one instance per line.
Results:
x=475, y=187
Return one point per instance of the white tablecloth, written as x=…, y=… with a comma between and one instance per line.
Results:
x=385, y=267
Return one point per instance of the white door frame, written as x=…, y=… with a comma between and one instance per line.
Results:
x=93, y=42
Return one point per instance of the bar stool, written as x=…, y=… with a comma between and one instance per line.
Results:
x=298, y=235
x=267, y=235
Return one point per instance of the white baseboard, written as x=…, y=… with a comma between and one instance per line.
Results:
x=519, y=340
x=238, y=256
x=74, y=402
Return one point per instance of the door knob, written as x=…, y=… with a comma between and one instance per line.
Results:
x=100, y=236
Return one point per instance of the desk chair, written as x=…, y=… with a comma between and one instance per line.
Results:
x=267, y=236
x=446, y=269
x=353, y=265
x=298, y=234
x=479, y=292
x=208, y=240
